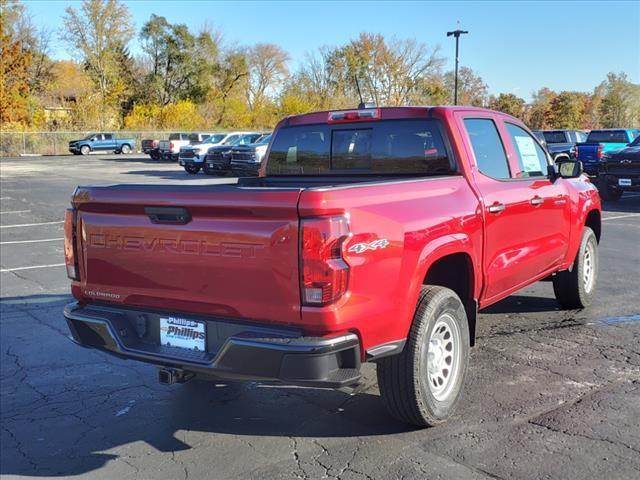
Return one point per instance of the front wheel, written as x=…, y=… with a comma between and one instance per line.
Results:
x=85, y=150
x=574, y=288
x=423, y=384
x=191, y=168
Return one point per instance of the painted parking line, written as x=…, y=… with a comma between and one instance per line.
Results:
x=15, y=211
x=33, y=267
x=629, y=215
x=16, y=242
x=5, y=198
x=31, y=224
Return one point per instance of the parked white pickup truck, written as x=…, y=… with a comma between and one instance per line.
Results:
x=170, y=149
x=191, y=157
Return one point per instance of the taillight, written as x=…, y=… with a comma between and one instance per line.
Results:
x=354, y=115
x=600, y=150
x=154, y=143
x=576, y=150
x=170, y=145
x=325, y=274
x=70, y=257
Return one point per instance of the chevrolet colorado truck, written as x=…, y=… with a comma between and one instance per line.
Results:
x=371, y=235
x=101, y=142
x=600, y=142
x=620, y=171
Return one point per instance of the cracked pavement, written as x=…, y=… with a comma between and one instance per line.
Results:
x=550, y=393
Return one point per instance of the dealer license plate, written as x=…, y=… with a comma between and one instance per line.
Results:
x=624, y=182
x=182, y=333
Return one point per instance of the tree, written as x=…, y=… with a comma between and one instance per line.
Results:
x=567, y=110
x=267, y=71
x=539, y=117
x=96, y=35
x=391, y=73
x=620, y=106
x=471, y=88
x=508, y=103
x=182, y=64
x=16, y=60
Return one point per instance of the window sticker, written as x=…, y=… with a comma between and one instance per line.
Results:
x=528, y=154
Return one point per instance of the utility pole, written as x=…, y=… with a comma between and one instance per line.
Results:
x=456, y=33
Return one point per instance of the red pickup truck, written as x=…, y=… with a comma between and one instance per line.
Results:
x=371, y=235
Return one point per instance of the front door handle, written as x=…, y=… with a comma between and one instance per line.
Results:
x=536, y=200
x=496, y=207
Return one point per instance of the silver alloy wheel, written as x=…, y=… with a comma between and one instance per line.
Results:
x=588, y=267
x=443, y=357
x=125, y=149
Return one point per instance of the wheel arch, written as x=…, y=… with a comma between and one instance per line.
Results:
x=452, y=263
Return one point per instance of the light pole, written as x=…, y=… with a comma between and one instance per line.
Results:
x=456, y=33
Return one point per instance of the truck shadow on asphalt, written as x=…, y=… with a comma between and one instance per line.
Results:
x=62, y=405
x=66, y=409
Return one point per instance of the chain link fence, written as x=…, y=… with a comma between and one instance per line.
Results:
x=14, y=144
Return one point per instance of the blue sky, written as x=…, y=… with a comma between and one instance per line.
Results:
x=515, y=46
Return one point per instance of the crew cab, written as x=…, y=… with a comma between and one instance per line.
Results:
x=562, y=143
x=371, y=235
x=601, y=141
x=101, y=142
x=192, y=157
x=217, y=160
x=170, y=149
x=620, y=171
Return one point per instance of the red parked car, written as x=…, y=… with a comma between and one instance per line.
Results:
x=372, y=235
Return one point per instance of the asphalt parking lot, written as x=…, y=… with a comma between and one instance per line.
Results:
x=550, y=394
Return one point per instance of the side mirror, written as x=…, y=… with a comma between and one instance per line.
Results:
x=570, y=168
x=93, y=139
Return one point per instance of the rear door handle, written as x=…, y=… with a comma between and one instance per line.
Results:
x=496, y=207
x=536, y=200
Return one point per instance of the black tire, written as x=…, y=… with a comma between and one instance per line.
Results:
x=125, y=149
x=155, y=155
x=85, y=150
x=191, y=168
x=571, y=287
x=404, y=379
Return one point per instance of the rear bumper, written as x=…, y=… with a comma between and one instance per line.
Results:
x=234, y=350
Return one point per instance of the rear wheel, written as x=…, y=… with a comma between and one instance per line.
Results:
x=191, y=168
x=125, y=149
x=574, y=288
x=155, y=155
x=85, y=150
x=423, y=384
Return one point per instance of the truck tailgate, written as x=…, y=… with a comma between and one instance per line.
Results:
x=217, y=250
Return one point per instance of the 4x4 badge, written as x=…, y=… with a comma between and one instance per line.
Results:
x=363, y=247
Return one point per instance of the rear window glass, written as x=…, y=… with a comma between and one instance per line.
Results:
x=555, y=137
x=174, y=136
x=607, y=136
x=409, y=147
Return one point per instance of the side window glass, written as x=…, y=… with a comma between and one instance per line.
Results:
x=487, y=147
x=531, y=157
x=108, y=136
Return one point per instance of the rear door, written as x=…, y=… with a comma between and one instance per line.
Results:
x=109, y=142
